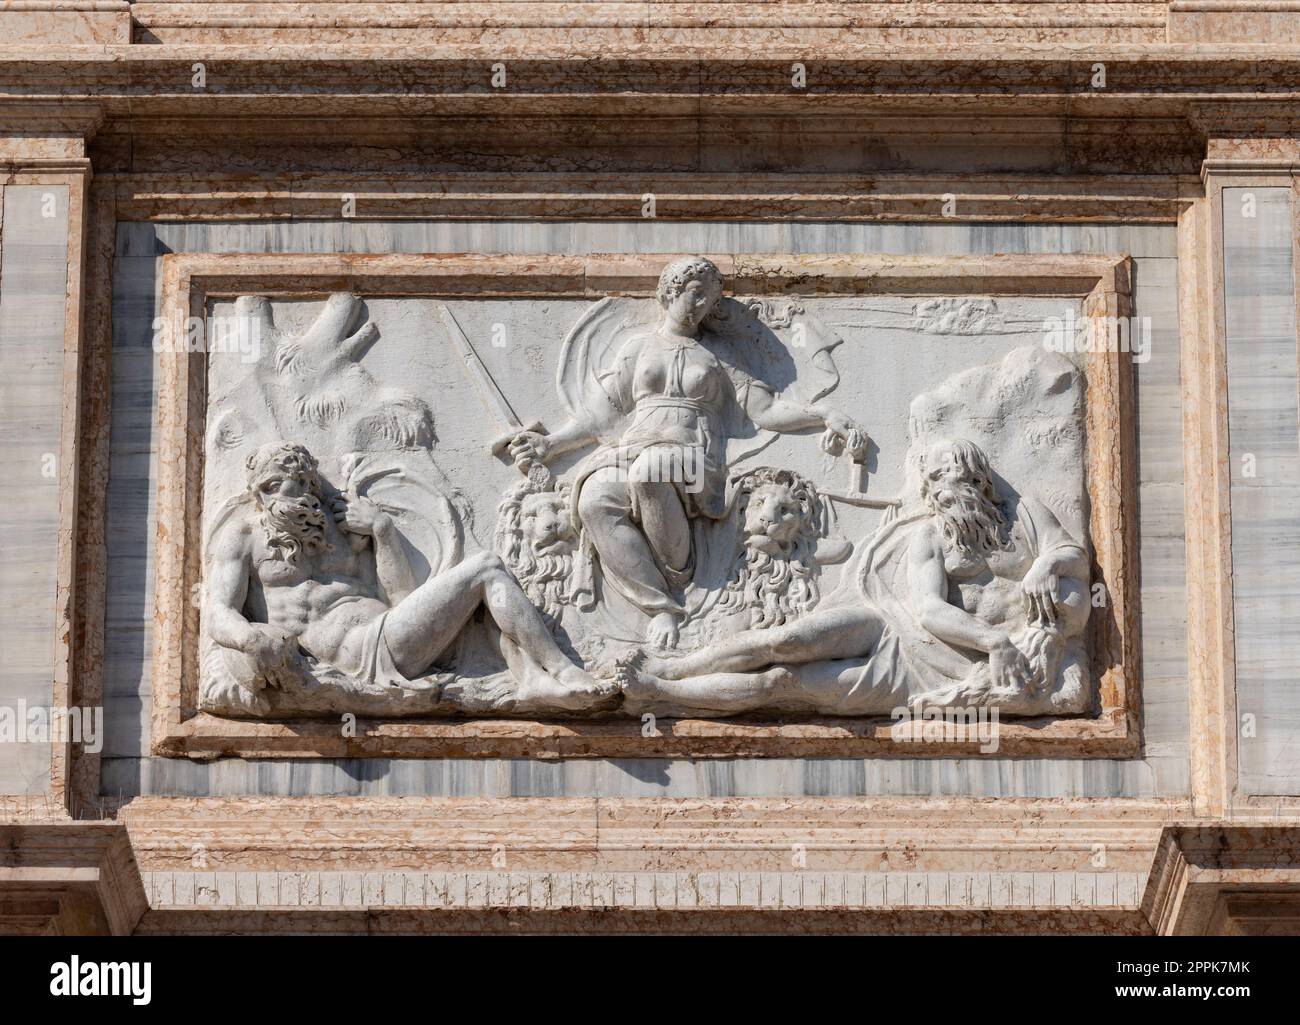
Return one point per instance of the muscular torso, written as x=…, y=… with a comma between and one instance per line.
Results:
x=988, y=588
x=319, y=597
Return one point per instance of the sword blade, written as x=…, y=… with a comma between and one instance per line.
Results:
x=489, y=392
x=494, y=400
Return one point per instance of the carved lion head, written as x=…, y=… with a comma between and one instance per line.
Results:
x=782, y=519
x=546, y=524
x=779, y=510
x=536, y=538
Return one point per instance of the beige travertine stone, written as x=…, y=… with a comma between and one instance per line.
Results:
x=68, y=878
x=70, y=22
x=1204, y=21
x=454, y=196
x=905, y=103
x=1224, y=880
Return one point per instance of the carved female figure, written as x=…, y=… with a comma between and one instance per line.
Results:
x=662, y=411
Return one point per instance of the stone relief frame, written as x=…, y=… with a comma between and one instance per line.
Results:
x=190, y=281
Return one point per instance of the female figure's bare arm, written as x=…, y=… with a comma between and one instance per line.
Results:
x=779, y=413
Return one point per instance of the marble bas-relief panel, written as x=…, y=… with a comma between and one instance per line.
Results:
x=692, y=504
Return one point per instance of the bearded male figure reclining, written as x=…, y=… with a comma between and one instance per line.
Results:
x=970, y=601
x=287, y=579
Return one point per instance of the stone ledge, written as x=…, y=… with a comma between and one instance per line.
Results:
x=65, y=22
x=1197, y=22
x=609, y=922
x=68, y=878
x=1224, y=880
x=643, y=890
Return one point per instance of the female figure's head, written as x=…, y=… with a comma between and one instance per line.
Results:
x=689, y=290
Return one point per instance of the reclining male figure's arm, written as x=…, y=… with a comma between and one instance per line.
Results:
x=1059, y=552
x=228, y=570
x=392, y=566
x=928, y=582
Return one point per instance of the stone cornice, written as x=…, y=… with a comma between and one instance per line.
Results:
x=69, y=878
x=1158, y=107
x=50, y=117
x=437, y=81
x=47, y=136
x=703, y=864
x=1197, y=865
x=603, y=195
x=1241, y=70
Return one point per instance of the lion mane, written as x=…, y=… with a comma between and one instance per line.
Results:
x=778, y=588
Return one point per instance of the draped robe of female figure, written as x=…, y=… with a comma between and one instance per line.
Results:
x=681, y=404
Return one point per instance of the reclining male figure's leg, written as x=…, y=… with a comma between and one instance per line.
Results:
x=833, y=634
x=423, y=625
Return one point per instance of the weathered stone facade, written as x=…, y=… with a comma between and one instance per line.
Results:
x=640, y=467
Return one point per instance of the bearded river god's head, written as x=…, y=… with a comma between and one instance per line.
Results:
x=284, y=485
x=957, y=488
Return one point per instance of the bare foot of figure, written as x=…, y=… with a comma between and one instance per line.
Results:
x=566, y=686
x=662, y=631
x=569, y=690
x=629, y=675
x=579, y=691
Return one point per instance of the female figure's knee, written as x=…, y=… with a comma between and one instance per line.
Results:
x=661, y=466
x=598, y=499
x=644, y=468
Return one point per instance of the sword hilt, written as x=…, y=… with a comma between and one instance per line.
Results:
x=498, y=446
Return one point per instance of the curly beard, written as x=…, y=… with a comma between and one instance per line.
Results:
x=293, y=525
x=774, y=589
x=971, y=522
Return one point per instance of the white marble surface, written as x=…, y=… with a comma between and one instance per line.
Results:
x=33, y=283
x=1162, y=771
x=1263, y=427
x=886, y=360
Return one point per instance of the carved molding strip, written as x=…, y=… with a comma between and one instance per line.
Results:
x=883, y=198
x=672, y=891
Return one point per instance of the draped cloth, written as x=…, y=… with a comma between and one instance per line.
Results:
x=908, y=660
x=693, y=430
